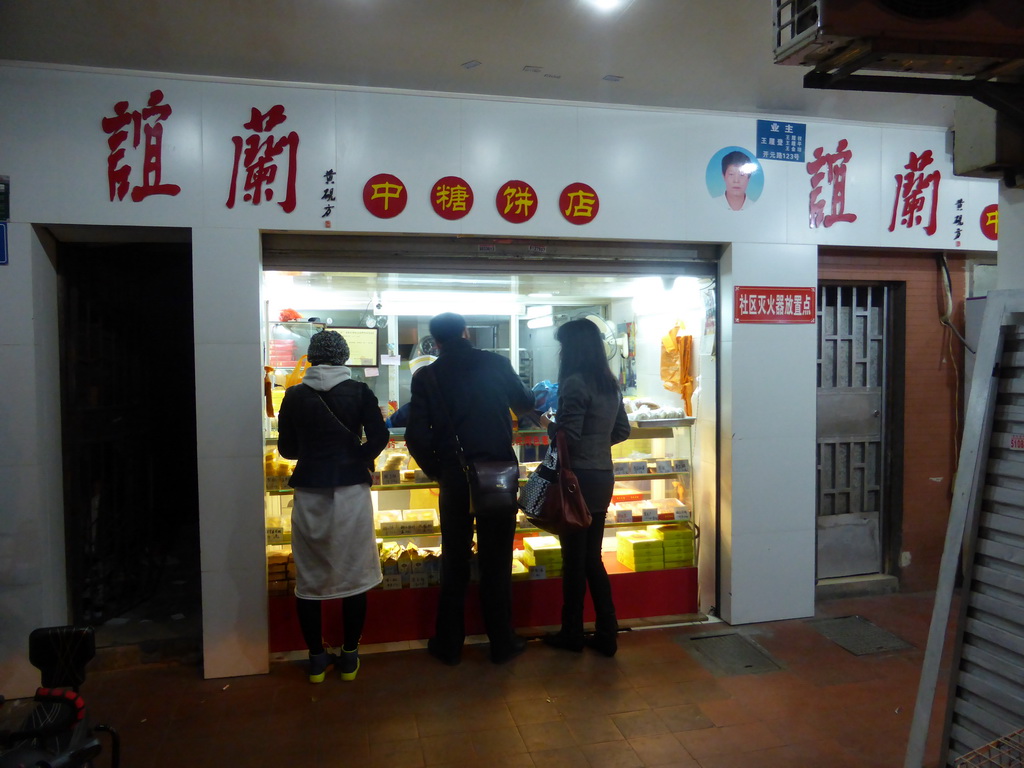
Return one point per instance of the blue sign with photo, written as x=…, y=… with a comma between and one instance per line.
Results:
x=780, y=140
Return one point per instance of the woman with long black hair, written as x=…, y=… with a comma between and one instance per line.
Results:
x=593, y=419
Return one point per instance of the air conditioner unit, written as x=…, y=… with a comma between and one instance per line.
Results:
x=947, y=37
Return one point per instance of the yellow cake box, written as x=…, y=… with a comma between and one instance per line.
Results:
x=681, y=531
x=535, y=543
x=637, y=541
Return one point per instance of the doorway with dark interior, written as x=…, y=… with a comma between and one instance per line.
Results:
x=129, y=444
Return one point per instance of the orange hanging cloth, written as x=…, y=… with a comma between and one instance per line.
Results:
x=685, y=357
x=676, y=359
x=268, y=388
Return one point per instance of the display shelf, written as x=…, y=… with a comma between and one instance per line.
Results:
x=644, y=430
x=522, y=481
x=520, y=531
x=648, y=424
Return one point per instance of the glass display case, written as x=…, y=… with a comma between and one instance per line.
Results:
x=650, y=546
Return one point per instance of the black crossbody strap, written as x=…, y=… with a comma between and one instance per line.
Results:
x=350, y=433
x=431, y=380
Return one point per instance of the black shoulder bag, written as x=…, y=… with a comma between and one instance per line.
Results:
x=493, y=485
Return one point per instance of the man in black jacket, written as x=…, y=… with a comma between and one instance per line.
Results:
x=471, y=391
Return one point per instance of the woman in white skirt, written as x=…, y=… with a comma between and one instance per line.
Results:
x=321, y=424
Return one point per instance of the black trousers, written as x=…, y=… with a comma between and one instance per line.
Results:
x=582, y=565
x=495, y=535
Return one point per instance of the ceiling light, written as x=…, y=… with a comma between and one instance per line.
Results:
x=471, y=64
x=530, y=68
x=545, y=321
x=612, y=78
x=608, y=5
x=429, y=303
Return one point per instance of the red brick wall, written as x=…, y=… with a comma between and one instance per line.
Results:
x=932, y=396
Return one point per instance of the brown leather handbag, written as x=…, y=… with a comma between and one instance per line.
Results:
x=559, y=506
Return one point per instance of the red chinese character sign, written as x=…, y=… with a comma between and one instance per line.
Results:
x=385, y=196
x=829, y=169
x=990, y=222
x=579, y=203
x=264, y=161
x=516, y=201
x=760, y=304
x=917, y=195
x=451, y=198
x=143, y=127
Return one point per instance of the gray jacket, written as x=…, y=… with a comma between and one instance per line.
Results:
x=592, y=421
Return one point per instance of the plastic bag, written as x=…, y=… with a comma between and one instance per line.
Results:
x=295, y=377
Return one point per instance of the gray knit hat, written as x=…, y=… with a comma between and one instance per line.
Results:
x=327, y=348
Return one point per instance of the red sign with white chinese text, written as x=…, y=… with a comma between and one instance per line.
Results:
x=579, y=203
x=990, y=222
x=760, y=304
x=451, y=197
x=385, y=196
x=516, y=201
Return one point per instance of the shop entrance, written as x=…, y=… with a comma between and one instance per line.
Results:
x=854, y=350
x=129, y=439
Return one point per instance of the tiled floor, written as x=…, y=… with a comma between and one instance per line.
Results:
x=653, y=704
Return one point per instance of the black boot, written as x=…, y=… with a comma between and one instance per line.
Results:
x=604, y=643
x=564, y=640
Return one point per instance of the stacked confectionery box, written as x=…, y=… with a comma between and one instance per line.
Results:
x=545, y=552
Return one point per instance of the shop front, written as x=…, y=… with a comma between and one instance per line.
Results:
x=650, y=305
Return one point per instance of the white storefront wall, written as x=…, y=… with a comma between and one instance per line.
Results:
x=650, y=170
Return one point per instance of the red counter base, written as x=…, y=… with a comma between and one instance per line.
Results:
x=408, y=614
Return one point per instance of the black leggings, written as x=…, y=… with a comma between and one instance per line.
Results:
x=353, y=609
x=582, y=563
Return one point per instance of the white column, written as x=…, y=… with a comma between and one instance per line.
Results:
x=33, y=589
x=1010, y=269
x=229, y=388
x=767, y=372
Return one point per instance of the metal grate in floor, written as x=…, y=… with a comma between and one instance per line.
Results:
x=858, y=635
x=729, y=654
x=1005, y=752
